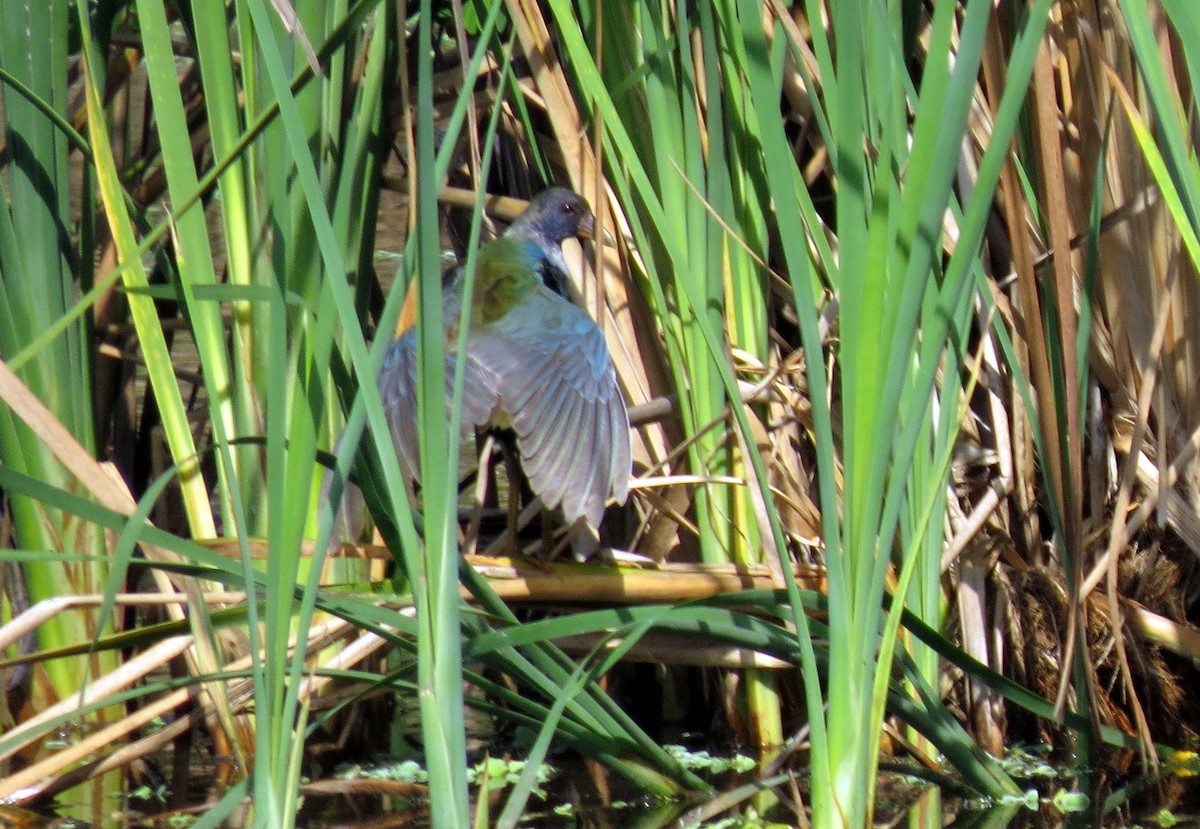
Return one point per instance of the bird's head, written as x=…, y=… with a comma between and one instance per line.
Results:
x=554, y=216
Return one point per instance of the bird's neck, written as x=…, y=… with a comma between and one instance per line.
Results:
x=554, y=274
x=551, y=265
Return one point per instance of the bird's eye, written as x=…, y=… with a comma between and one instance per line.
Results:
x=567, y=208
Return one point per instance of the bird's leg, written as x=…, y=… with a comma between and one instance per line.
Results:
x=516, y=480
x=580, y=537
x=483, y=476
x=548, y=550
x=485, y=447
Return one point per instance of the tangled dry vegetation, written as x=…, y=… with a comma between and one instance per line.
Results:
x=1115, y=456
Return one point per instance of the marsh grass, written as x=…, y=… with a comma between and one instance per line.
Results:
x=900, y=358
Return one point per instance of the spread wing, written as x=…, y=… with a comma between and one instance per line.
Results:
x=556, y=383
x=398, y=388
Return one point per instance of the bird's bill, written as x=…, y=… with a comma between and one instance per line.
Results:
x=587, y=230
x=587, y=226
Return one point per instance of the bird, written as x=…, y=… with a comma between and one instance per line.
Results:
x=535, y=363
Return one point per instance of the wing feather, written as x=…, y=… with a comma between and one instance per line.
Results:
x=582, y=467
x=557, y=385
x=545, y=416
x=618, y=448
x=398, y=389
x=547, y=469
